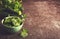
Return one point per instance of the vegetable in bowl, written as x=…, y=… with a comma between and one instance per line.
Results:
x=12, y=23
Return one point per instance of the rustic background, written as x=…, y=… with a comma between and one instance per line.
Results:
x=42, y=22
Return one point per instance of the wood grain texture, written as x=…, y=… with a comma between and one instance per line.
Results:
x=42, y=22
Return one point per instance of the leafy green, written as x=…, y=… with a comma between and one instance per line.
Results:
x=13, y=5
x=24, y=33
x=13, y=21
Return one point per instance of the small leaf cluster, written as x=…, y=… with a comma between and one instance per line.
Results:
x=12, y=21
x=13, y=5
x=24, y=33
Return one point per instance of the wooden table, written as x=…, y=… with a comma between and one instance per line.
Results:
x=42, y=20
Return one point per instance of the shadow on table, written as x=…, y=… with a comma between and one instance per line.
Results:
x=3, y=32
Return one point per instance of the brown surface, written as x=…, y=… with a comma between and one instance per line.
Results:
x=42, y=22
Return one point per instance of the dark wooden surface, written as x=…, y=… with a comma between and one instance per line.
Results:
x=42, y=22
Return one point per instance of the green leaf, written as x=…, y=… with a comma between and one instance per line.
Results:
x=24, y=33
x=24, y=16
x=20, y=12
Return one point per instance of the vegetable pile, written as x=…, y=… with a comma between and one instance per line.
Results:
x=12, y=5
x=12, y=21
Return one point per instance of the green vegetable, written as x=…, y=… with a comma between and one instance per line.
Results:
x=24, y=33
x=12, y=21
x=13, y=5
